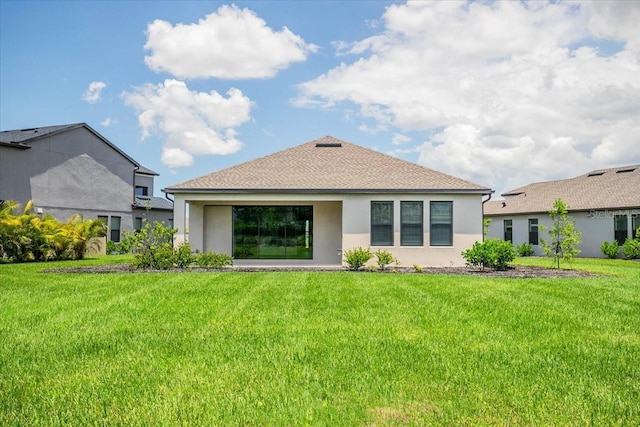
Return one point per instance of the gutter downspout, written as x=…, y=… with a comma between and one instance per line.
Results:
x=483, y=202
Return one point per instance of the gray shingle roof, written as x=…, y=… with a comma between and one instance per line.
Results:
x=21, y=138
x=327, y=165
x=153, y=202
x=615, y=188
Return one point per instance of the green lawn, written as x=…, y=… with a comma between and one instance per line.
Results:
x=318, y=348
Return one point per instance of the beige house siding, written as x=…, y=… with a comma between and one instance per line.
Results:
x=341, y=222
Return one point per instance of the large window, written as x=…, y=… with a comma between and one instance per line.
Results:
x=441, y=226
x=533, y=231
x=635, y=223
x=620, y=228
x=381, y=223
x=508, y=230
x=411, y=231
x=115, y=229
x=273, y=232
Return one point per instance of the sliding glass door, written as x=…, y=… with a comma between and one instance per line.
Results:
x=273, y=232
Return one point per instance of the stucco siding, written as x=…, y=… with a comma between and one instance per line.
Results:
x=341, y=222
x=596, y=226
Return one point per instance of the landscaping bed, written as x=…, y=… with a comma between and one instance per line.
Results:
x=516, y=271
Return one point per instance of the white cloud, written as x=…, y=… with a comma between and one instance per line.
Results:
x=231, y=43
x=93, y=92
x=505, y=92
x=399, y=139
x=108, y=122
x=191, y=123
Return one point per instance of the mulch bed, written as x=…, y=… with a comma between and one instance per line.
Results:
x=517, y=271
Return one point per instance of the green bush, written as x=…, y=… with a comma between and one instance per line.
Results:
x=384, y=258
x=491, y=253
x=524, y=249
x=610, y=249
x=213, y=260
x=356, y=258
x=183, y=256
x=631, y=248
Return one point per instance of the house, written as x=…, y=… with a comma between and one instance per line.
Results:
x=306, y=205
x=604, y=203
x=72, y=169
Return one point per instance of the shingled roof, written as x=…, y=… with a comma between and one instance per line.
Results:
x=24, y=138
x=327, y=165
x=615, y=188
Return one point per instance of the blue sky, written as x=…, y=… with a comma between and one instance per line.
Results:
x=500, y=93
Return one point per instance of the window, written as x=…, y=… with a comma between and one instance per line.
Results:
x=620, y=228
x=508, y=230
x=142, y=191
x=411, y=231
x=137, y=223
x=441, y=229
x=635, y=224
x=273, y=232
x=533, y=231
x=381, y=223
x=115, y=229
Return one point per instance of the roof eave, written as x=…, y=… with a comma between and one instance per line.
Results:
x=18, y=145
x=170, y=190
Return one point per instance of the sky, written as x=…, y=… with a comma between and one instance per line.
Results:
x=501, y=93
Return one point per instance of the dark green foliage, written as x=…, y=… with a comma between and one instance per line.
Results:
x=491, y=253
x=356, y=258
x=631, y=248
x=183, y=257
x=384, y=258
x=610, y=249
x=153, y=246
x=213, y=260
x=524, y=249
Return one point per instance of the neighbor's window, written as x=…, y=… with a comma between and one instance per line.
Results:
x=273, y=232
x=381, y=223
x=620, y=228
x=441, y=223
x=635, y=223
x=533, y=231
x=115, y=228
x=411, y=231
x=508, y=230
x=137, y=223
x=142, y=191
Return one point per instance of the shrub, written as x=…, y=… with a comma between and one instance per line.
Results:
x=631, y=248
x=524, y=249
x=491, y=253
x=213, y=260
x=183, y=256
x=384, y=258
x=610, y=249
x=356, y=258
x=418, y=268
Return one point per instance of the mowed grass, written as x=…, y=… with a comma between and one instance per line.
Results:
x=318, y=348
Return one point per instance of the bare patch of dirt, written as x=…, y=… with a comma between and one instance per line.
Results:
x=518, y=271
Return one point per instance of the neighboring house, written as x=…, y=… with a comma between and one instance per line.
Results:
x=605, y=205
x=72, y=169
x=308, y=204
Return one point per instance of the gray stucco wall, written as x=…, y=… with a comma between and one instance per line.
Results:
x=596, y=226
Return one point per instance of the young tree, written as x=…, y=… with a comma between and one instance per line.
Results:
x=563, y=235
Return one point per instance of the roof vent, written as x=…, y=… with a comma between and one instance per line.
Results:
x=596, y=174
x=625, y=170
x=328, y=144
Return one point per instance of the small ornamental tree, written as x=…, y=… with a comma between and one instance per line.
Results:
x=563, y=236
